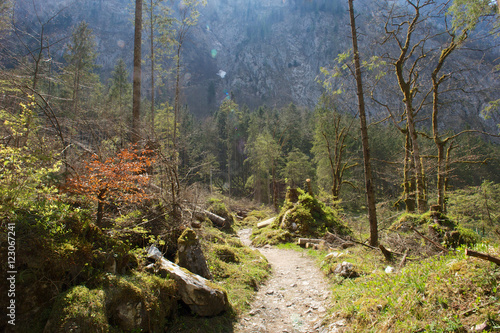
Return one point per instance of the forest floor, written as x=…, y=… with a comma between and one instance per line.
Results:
x=294, y=299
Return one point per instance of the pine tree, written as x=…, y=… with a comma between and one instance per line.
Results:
x=120, y=89
x=80, y=58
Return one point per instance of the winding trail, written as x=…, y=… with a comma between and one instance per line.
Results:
x=294, y=299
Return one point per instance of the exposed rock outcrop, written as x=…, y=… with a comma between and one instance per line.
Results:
x=203, y=297
x=190, y=255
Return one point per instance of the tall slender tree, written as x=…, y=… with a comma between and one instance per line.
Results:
x=331, y=135
x=136, y=85
x=370, y=192
x=158, y=24
x=120, y=88
x=187, y=18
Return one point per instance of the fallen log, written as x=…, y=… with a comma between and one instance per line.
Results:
x=203, y=297
x=483, y=256
x=216, y=219
x=304, y=241
x=265, y=223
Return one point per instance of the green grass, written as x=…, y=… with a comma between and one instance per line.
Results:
x=432, y=295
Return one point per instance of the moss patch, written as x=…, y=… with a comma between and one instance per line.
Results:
x=188, y=237
x=306, y=217
x=218, y=207
x=271, y=235
x=438, y=227
x=310, y=217
x=79, y=310
x=152, y=297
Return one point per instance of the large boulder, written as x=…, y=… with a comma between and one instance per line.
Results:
x=190, y=255
x=203, y=297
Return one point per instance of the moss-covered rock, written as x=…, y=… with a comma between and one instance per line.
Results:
x=271, y=235
x=310, y=217
x=79, y=310
x=190, y=254
x=226, y=253
x=140, y=301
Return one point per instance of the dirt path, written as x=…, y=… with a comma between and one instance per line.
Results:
x=294, y=299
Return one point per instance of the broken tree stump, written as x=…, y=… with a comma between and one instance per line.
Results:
x=403, y=260
x=387, y=254
x=483, y=256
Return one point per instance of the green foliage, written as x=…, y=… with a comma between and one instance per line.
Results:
x=5, y=14
x=120, y=90
x=298, y=168
x=477, y=208
x=333, y=146
x=27, y=169
x=263, y=155
x=467, y=13
x=25, y=178
x=82, y=85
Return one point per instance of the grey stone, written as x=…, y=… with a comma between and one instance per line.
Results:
x=203, y=297
x=346, y=269
x=190, y=255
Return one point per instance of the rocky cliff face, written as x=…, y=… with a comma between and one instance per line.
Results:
x=262, y=51
x=271, y=51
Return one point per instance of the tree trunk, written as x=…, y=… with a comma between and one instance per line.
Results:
x=370, y=193
x=152, y=50
x=100, y=207
x=419, y=177
x=408, y=186
x=440, y=144
x=136, y=95
x=177, y=93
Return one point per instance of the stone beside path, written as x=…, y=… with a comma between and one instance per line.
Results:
x=294, y=299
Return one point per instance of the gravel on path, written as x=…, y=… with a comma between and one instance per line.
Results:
x=294, y=299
